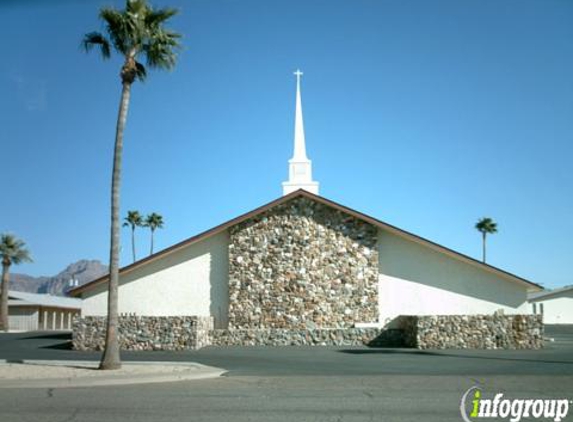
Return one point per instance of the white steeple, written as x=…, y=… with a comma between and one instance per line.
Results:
x=300, y=167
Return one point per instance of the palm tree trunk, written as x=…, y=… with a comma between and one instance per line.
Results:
x=133, y=242
x=110, y=358
x=483, y=246
x=151, y=250
x=4, y=297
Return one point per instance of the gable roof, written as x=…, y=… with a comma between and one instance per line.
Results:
x=16, y=298
x=302, y=193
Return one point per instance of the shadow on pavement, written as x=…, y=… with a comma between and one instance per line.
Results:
x=49, y=335
x=60, y=346
x=447, y=355
x=389, y=351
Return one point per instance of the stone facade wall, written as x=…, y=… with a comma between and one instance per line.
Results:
x=473, y=331
x=374, y=337
x=145, y=333
x=302, y=265
x=422, y=332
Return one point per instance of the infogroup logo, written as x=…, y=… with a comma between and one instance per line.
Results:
x=473, y=407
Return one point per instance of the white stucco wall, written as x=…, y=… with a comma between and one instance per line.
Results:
x=191, y=281
x=556, y=309
x=417, y=280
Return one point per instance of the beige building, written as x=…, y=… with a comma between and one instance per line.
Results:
x=33, y=311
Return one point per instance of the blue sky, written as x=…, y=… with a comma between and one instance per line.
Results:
x=425, y=114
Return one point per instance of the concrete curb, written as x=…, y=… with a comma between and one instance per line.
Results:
x=188, y=371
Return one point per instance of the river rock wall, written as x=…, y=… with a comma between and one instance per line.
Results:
x=421, y=332
x=497, y=331
x=145, y=332
x=373, y=337
x=302, y=265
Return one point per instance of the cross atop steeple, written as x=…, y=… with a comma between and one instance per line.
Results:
x=300, y=167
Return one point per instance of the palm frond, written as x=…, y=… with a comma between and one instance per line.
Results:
x=140, y=72
x=156, y=17
x=13, y=250
x=21, y=255
x=120, y=29
x=160, y=49
x=136, y=6
x=154, y=221
x=138, y=29
x=133, y=219
x=486, y=225
x=92, y=39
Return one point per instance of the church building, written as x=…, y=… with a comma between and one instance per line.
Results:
x=303, y=263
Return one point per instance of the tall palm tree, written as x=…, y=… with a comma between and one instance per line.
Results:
x=133, y=220
x=153, y=221
x=136, y=31
x=12, y=251
x=486, y=226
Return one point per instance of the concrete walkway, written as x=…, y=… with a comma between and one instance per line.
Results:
x=64, y=374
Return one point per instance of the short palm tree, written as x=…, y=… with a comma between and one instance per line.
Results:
x=12, y=251
x=137, y=31
x=486, y=226
x=154, y=221
x=133, y=220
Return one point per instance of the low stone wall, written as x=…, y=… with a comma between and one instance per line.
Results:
x=473, y=331
x=311, y=337
x=145, y=333
x=422, y=332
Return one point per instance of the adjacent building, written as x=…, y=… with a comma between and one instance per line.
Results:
x=556, y=306
x=33, y=311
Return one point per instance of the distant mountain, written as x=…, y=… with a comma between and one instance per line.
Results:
x=83, y=271
x=26, y=283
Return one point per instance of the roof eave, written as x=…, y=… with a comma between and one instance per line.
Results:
x=549, y=294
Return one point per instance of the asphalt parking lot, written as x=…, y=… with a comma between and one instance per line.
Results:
x=294, y=384
x=555, y=359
